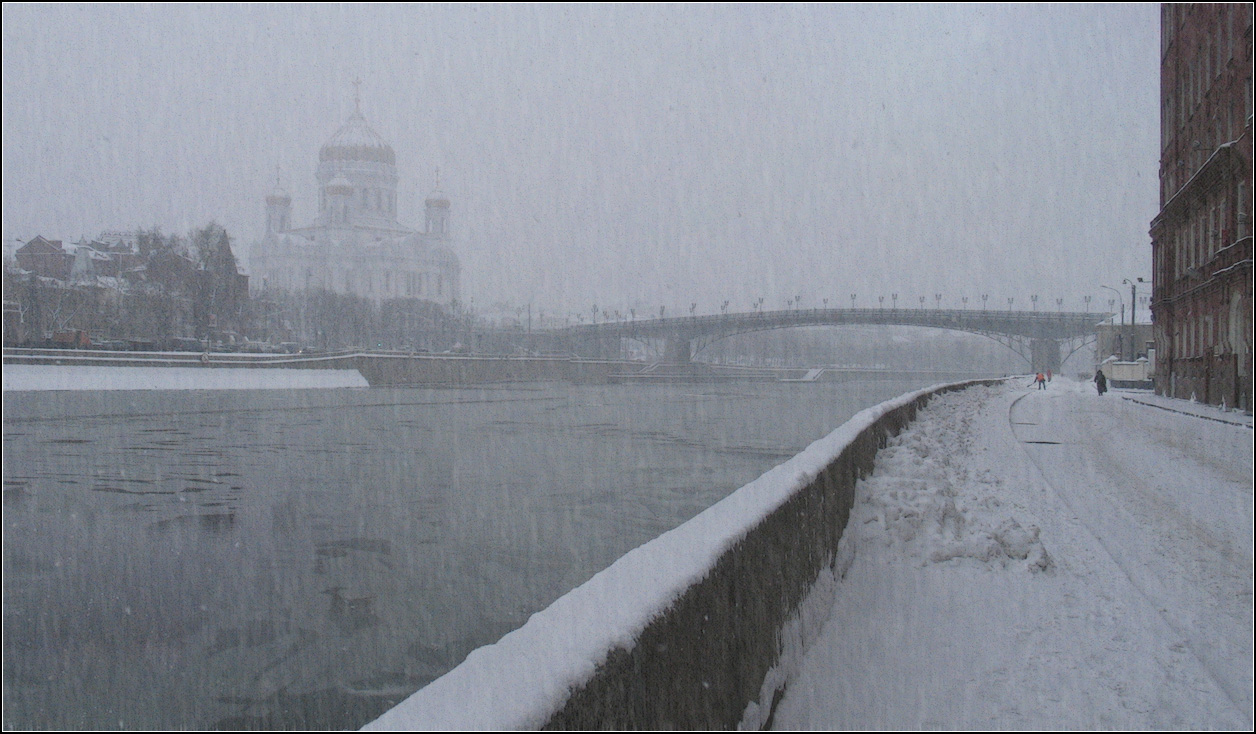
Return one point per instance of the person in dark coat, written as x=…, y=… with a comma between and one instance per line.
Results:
x=1101, y=382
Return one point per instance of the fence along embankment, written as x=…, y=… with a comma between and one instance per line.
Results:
x=682, y=632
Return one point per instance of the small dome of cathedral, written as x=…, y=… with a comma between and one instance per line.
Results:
x=278, y=196
x=356, y=141
x=339, y=185
x=437, y=198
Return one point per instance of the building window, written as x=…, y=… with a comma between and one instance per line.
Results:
x=1241, y=217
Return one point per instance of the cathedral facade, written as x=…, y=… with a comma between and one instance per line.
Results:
x=355, y=245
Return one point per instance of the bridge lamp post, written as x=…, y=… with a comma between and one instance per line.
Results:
x=894, y=298
x=1118, y=299
x=964, y=299
x=826, y=303
x=880, y=301
x=1087, y=300
x=1059, y=304
x=984, y=296
x=1034, y=300
x=1010, y=301
x=937, y=297
x=852, y=301
x=922, y=302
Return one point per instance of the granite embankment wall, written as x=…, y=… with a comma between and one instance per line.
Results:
x=683, y=632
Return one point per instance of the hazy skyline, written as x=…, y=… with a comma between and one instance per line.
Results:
x=624, y=156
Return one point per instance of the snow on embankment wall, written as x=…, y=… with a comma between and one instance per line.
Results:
x=681, y=632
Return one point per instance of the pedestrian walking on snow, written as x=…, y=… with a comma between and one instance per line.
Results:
x=1041, y=379
x=1101, y=382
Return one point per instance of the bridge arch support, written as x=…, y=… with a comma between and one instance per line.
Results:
x=678, y=350
x=1045, y=355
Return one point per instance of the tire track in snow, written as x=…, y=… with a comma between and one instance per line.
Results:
x=1139, y=577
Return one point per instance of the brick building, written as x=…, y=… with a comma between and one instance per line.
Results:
x=1202, y=238
x=45, y=258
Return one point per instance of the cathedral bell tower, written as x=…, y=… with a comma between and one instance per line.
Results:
x=437, y=220
x=278, y=209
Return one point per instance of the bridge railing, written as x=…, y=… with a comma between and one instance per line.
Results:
x=1021, y=322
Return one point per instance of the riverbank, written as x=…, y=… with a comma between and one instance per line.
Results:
x=1026, y=559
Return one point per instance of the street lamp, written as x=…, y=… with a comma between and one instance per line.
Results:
x=880, y=301
x=1133, y=284
x=1087, y=300
x=1034, y=300
x=938, y=298
x=984, y=296
x=894, y=297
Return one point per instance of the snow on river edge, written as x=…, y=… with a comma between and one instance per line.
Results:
x=1026, y=559
x=24, y=377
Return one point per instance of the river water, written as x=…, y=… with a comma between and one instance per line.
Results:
x=306, y=559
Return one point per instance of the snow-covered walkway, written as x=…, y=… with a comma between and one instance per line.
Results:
x=1026, y=559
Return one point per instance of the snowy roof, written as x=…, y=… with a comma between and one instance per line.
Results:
x=78, y=248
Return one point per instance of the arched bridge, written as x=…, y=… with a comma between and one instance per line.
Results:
x=1040, y=337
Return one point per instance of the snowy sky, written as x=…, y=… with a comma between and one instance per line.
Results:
x=624, y=156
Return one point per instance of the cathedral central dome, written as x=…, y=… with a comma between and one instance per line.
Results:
x=356, y=141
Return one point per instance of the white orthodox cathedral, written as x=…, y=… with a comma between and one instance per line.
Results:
x=356, y=245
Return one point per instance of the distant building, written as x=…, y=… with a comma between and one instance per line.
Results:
x=1202, y=237
x=356, y=245
x=45, y=258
